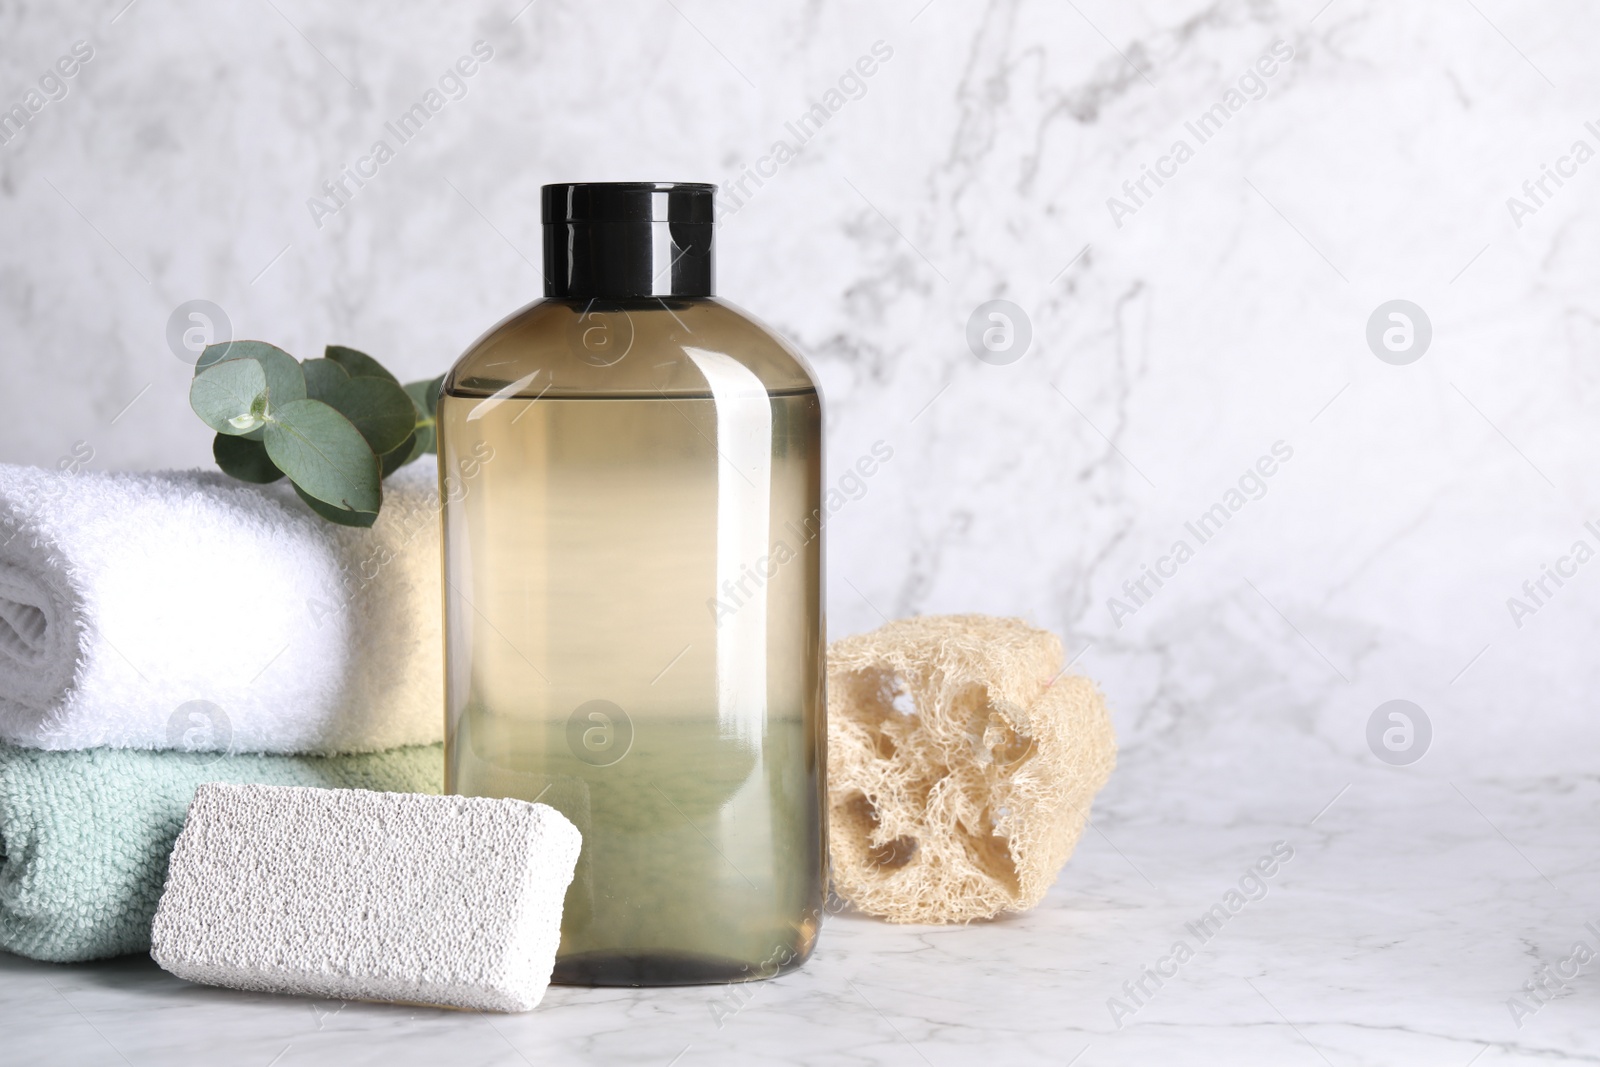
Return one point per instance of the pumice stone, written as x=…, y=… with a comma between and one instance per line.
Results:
x=961, y=765
x=350, y=894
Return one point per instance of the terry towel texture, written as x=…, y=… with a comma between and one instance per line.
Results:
x=85, y=836
x=125, y=597
x=348, y=893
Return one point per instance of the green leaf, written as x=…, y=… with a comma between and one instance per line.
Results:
x=379, y=408
x=213, y=354
x=359, y=364
x=285, y=380
x=393, y=460
x=244, y=459
x=230, y=397
x=425, y=395
x=338, y=515
x=322, y=377
x=324, y=454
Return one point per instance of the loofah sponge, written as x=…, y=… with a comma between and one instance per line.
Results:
x=959, y=774
x=352, y=894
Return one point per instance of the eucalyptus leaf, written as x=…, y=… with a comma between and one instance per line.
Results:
x=244, y=459
x=393, y=460
x=285, y=380
x=380, y=409
x=338, y=515
x=323, y=376
x=230, y=397
x=324, y=454
x=359, y=364
x=214, y=354
x=425, y=395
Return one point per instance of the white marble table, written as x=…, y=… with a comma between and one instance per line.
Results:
x=1412, y=909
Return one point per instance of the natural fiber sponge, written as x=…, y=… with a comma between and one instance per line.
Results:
x=352, y=894
x=959, y=773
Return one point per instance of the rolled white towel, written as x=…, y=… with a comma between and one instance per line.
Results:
x=184, y=609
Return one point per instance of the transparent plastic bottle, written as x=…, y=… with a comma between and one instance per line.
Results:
x=632, y=476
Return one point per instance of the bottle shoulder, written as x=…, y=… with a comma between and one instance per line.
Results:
x=646, y=347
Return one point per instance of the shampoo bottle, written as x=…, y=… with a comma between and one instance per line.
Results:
x=631, y=472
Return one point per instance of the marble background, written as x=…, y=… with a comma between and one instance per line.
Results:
x=1172, y=345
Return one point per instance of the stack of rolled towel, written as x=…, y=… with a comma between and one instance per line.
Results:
x=159, y=631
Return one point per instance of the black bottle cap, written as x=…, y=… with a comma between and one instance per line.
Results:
x=616, y=240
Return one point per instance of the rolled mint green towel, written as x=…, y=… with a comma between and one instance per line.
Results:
x=85, y=835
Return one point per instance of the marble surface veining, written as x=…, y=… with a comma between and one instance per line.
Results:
x=1418, y=541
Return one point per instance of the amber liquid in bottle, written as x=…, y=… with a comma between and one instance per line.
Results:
x=634, y=625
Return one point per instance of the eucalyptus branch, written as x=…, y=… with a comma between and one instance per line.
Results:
x=335, y=426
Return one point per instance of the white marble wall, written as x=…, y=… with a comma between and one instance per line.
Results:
x=1226, y=312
